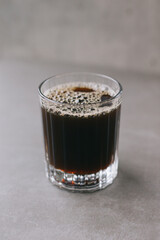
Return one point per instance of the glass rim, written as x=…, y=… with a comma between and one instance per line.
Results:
x=79, y=73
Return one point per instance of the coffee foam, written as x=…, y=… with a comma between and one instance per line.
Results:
x=74, y=99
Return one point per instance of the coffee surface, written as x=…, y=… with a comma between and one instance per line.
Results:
x=79, y=99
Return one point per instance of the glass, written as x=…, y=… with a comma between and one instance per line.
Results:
x=81, y=119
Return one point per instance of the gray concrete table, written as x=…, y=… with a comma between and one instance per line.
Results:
x=31, y=208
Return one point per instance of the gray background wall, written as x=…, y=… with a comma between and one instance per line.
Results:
x=120, y=34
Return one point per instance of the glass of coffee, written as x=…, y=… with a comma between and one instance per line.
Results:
x=81, y=119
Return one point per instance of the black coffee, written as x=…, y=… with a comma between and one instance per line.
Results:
x=80, y=139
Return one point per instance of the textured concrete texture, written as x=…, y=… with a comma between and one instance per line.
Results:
x=31, y=208
x=122, y=34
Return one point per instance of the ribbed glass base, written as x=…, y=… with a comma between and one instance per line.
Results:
x=82, y=183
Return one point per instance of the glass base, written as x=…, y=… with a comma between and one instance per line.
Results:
x=82, y=183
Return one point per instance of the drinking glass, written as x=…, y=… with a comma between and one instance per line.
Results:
x=81, y=138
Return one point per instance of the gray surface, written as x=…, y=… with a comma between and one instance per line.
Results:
x=31, y=208
x=122, y=34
